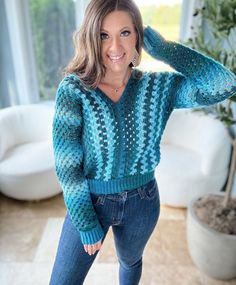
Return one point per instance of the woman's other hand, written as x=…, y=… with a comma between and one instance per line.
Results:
x=92, y=248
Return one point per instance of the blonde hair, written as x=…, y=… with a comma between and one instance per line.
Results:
x=87, y=60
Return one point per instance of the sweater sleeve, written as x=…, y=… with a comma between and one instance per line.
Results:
x=199, y=80
x=68, y=157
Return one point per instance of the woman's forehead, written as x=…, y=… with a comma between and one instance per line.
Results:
x=117, y=20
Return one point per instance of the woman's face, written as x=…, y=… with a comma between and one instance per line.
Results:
x=118, y=38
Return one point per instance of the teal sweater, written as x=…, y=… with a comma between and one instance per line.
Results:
x=105, y=147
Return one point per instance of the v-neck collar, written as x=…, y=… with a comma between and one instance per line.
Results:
x=107, y=98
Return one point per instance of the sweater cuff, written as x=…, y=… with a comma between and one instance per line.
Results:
x=154, y=43
x=92, y=236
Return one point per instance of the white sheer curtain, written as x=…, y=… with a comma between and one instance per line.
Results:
x=7, y=79
x=18, y=78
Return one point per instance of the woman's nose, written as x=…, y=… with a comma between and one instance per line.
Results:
x=115, y=43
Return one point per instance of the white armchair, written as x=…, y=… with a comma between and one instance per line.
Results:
x=26, y=154
x=195, y=156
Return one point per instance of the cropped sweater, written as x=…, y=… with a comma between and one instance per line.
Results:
x=101, y=146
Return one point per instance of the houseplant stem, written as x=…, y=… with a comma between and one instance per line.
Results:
x=231, y=175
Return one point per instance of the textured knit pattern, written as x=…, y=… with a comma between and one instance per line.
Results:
x=106, y=147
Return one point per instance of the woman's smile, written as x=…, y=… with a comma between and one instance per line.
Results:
x=117, y=58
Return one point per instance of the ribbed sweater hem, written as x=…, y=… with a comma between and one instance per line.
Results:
x=120, y=184
x=92, y=236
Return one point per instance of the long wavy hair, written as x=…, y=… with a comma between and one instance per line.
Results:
x=87, y=60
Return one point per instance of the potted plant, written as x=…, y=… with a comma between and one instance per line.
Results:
x=211, y=220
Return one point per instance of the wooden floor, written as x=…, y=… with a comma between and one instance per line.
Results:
x=29, y=233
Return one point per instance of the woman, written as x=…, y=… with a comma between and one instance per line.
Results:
x=108, y=122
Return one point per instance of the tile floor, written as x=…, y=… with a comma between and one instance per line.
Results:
x=29, y=233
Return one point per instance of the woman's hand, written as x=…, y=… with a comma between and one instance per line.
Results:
x=92, y=248
x=154, y=43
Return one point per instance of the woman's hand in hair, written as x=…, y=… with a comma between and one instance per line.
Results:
x=92, y=248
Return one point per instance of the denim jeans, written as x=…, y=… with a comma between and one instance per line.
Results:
x=132, y=215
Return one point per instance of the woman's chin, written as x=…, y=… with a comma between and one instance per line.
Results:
x=117, y=68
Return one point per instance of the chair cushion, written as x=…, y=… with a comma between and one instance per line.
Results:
x=27, y=159
x=24, y=124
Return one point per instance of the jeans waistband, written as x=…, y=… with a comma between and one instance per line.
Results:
x=126, y=194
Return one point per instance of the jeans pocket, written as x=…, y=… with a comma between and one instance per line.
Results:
x=151, y=190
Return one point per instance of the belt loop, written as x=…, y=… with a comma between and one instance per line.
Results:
x=124, y=195
x=141, y=192
x=102, y=199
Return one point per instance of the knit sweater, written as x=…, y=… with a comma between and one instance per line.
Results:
x=101, y=146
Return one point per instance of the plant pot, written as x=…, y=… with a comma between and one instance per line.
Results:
x=212, y=252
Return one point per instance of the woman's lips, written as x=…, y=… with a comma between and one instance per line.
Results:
x=116, y=58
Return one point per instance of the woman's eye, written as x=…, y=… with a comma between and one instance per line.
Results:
x=103, y=36
x=125, y=33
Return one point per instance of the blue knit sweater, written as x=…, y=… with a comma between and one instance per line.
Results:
x=101, y=146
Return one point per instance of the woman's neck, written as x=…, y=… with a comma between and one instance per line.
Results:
x=116, y=79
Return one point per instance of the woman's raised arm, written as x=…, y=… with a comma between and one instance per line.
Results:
x=199, y=80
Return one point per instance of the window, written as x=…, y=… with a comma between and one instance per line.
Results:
x=52, y=24
x=164, y=16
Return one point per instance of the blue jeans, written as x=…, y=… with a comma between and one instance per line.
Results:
x=132, y=214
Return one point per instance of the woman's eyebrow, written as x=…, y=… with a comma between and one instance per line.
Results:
x=104, y=30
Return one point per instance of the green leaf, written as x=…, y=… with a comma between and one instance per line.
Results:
x=233, y=98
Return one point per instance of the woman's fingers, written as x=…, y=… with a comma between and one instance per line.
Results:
x=92, y=248
x=86, y=247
